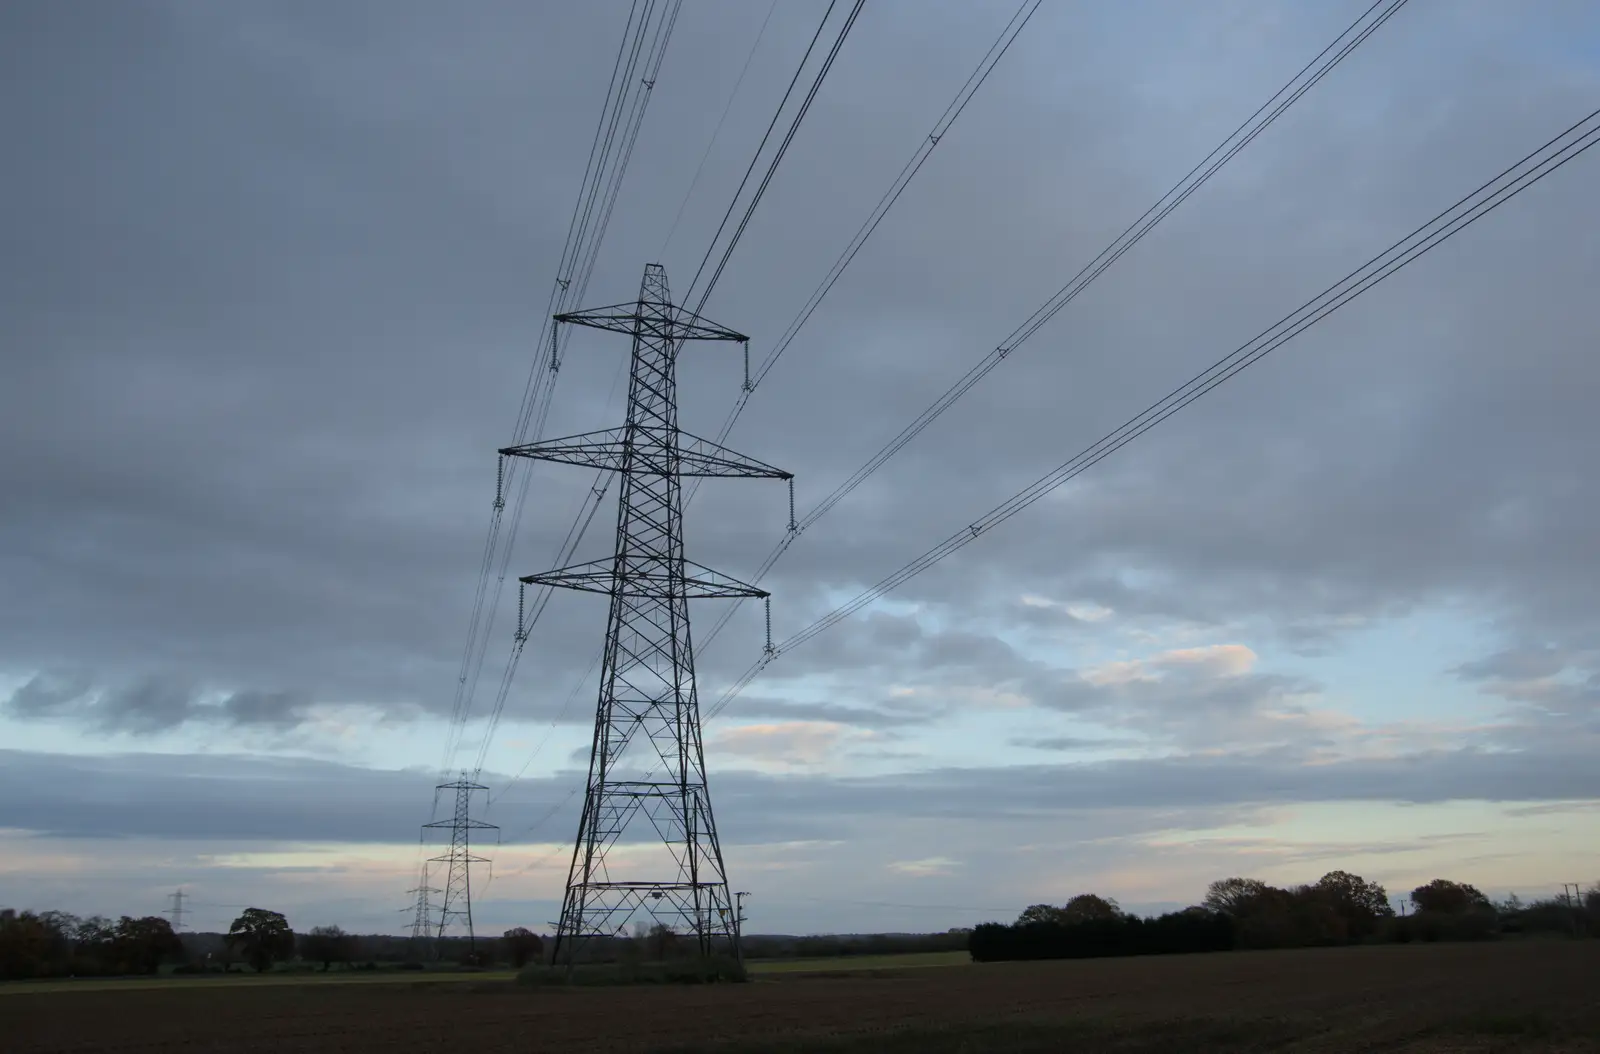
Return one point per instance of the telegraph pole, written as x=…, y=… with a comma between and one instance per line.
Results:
x=738, y=925
x=647, y=698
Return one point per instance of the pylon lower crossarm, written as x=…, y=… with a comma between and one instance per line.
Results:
x=474, y=824
x=599, y=576
x=608, y=450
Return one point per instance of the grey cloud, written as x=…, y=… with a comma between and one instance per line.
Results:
x=1518, y=665
x=273, y=709
x=271, y=349
x=244, y=798
x=43, y=695
x=153, y=704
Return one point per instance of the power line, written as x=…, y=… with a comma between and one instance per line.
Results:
x=777, y=157
x=715, y=132
x=629, y=93
x=1306, y=78
x=925, y=148
x=539, y=373
x=602, y=480
x=1489, y=196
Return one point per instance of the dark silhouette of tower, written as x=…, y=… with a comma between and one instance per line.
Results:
x=647, y=759
x=459, y=860
x=421, y=947
x=177, y=911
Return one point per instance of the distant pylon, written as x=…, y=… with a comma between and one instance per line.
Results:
x=422, y=921
x=457, y=904
x=647, y=685
x=177, y=911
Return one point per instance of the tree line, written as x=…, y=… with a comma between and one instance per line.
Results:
x=1339, y=908
x=48, y=944
x=55, y=944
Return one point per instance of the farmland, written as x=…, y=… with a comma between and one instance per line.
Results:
x=1511, y=995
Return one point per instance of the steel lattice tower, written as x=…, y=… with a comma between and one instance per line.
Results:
x=647, y=685
x=459, y=860
x=422, y=919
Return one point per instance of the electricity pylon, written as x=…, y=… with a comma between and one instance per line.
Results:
x=421, y=947
x=647, y=685
x=459, y=860
x=177, y=911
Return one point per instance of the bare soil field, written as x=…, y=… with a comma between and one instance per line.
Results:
x=1523, y=996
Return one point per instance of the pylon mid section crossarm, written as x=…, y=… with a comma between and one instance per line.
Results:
x=600, y=576
x=610, y=449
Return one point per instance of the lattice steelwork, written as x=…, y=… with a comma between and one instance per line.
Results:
x=647, y=686
x=458, y=861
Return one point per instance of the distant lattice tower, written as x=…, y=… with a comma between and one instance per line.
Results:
x=457, y=903
x=422, y=947
x=647, y=688
x=177, y=911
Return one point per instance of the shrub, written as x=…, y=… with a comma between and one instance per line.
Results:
x=1175, y=933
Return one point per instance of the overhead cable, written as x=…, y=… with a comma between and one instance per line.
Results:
x=603, y=481
x=777, y=157
x=1493, y=193
x=925, y=148
x=1303, y=81
x=633, y=77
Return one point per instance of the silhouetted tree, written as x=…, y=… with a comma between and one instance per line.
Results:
x=1235, y=896
x=262, y=937
x=1039, y=913
x=522, y=944
x=24, y=944
x=1359, y=903
x=327, y=945
x=143, y=944
x=1449, y=898
x=1087, y=907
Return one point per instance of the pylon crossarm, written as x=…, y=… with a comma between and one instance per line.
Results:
x=477, y=825
x=599, y=576
x=608, y=450
x=670, y=322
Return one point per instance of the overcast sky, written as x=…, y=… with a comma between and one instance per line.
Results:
x=271, y=283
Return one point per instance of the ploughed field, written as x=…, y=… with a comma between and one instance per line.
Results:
x=1510, y=995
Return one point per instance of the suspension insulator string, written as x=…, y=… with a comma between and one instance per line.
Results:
x=748, y=387
x=769, y=651
x=793, y=526
x=522, y=596
x=500, y=484
x=555, y=350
